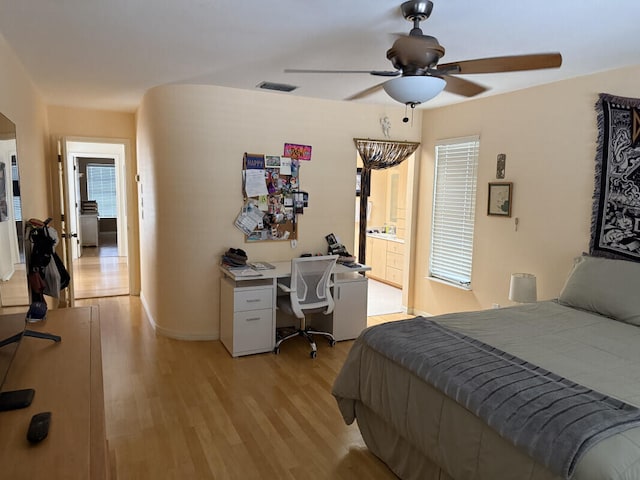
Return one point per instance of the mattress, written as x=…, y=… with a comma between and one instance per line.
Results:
x=421, y=433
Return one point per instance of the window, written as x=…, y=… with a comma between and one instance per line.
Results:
x=454, y=201
x=101, y=187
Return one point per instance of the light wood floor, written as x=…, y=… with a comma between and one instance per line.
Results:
x=14, y=292
x=187, y=410
x=99, y=272
x=99, y=276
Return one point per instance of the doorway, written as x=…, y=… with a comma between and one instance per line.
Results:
x=389, y=210
x=97, y=217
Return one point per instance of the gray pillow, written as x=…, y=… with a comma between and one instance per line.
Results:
x=608, y=287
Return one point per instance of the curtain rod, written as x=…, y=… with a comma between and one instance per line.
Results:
x=385, y=141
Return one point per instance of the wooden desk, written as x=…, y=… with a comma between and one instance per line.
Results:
x=67, y=378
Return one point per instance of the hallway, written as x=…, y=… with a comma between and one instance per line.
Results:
x=99, y=272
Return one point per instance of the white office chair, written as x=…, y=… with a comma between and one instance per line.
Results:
x=309, y=291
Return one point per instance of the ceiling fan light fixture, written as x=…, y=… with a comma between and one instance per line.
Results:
x=414, y=89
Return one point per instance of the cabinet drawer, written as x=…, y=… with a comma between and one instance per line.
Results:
x=256, y=299
x=394, y=276
x=395, y=260
x=253, y=331
x=395, y=247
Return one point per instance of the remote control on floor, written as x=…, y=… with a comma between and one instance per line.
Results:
x=39, y=427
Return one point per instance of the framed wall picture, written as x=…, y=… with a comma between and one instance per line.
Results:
x=499, y=199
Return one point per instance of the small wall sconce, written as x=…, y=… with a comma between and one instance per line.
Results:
x=523, y=288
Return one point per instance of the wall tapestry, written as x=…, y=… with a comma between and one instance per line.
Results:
x=615, y=223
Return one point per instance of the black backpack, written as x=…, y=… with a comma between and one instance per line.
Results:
x=41, y=248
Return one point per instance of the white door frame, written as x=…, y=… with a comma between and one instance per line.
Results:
x=100, y=148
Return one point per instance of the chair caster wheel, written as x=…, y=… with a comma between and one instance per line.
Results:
x=332, y=343
x=276, y=350
x=313, y=354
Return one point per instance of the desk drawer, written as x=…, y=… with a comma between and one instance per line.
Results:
x=253, y=332
x=255, y=299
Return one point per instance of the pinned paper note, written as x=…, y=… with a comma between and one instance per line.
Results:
x=254, y=183
x=249, y=218
x=285, y=166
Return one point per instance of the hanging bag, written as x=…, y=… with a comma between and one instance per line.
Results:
x=42, y=247
x=65, y=278
x=42, y=251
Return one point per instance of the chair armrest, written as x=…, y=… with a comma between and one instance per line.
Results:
x=284, y=287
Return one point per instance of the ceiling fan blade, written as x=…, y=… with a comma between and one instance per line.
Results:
x=504, y=64
x=461, y=86
x=366, y=92
x=378, y=73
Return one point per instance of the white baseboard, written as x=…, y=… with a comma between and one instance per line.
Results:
x=165, y=332
x=418, y=313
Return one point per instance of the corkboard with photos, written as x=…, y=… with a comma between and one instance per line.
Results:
x=271, y=188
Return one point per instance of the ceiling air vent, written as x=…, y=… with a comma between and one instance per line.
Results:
x=280, y=87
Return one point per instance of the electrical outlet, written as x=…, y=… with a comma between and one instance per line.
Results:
x=294, y=243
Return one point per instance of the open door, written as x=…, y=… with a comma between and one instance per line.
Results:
x=68, y=234
x=79, y=155
x=74, y=202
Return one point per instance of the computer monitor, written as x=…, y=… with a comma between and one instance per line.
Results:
x=12, y=328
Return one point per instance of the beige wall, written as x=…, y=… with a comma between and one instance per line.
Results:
x=81, y=122
x=549, y=136
x=23, y=105
x=190, y=145
x=102, y=126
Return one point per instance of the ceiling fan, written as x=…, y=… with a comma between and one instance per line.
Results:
x=418, y=75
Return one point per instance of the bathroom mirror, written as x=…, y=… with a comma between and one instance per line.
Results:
x=13, y=278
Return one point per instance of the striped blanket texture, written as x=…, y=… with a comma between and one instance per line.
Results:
x=551, y=418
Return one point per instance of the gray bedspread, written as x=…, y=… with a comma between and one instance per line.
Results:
x=551, y=418
x=422, y=433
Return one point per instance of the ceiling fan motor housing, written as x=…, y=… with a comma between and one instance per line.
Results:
x=416, y=10
x=412, y=55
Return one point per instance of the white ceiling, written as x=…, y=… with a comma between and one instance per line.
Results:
x=106, y=54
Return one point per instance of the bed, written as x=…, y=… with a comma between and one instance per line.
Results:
x=415, y=417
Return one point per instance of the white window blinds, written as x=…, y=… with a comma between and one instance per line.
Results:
x=101, y=187
x=454, y=201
